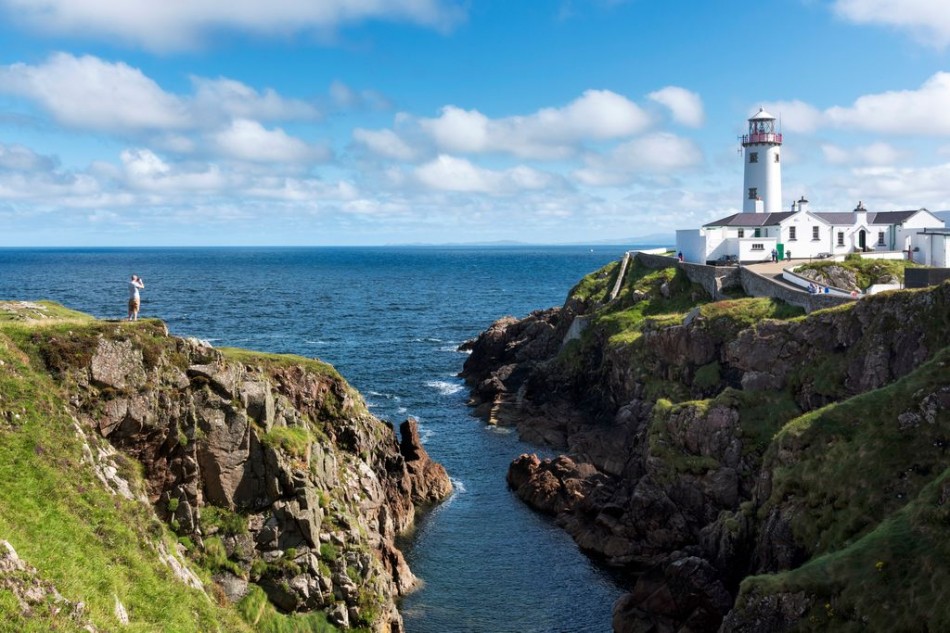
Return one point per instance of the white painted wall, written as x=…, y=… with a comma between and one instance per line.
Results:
x=755, y=249
x=765, y=175
x=692, y=243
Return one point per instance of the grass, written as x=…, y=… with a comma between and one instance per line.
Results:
x=91, y=545
x=867, y=271
x=293, y=440
x=854, y=464
x=264, y=618
x=894, y=578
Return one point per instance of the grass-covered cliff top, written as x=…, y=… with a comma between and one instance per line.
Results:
x=93, y=546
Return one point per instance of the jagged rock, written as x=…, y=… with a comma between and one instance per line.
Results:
x=689, y=480
x=118, y=365
x=427, y=479
x=234, y=588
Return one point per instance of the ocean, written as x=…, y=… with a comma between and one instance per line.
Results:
x=390, y=320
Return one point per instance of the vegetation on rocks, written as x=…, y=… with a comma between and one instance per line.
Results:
x=161, y=484
x=856, y=272
x=759, y=469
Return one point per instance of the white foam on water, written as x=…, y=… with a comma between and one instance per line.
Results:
x=401, y=410
x=444, y=387
x=501, y=430
x=458, y=486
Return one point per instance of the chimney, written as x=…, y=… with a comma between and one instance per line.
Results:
x=802, y=204
x=759, y=205
x=861, y=214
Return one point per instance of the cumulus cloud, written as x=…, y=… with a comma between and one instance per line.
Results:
x=223, y=96
x=89, y=93
x=250, y=141
x=448, y=173
x=20, y=158
x=144, y=170
x=652, y=154
x=166, y=26
x=795, y=116
x=549, y=133
x=384, y=143
x=922, y=111
x=927, y=20
x=685, y=106
x=874, y=154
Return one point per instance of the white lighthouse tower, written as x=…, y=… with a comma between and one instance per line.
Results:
x=762, y=192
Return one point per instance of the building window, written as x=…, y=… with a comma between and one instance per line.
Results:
x=741, y=232
x=791, y=233
x=753, y=193
x=840, y=238
x=776, y=158
x=880, y=238
x=814, y=233
x=753, y=157
x=758, y=233
x=758, y=247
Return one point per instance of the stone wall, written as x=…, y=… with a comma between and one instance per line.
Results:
x=756, y=285
x=714, y=279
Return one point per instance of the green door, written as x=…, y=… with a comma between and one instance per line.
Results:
x=781, y=251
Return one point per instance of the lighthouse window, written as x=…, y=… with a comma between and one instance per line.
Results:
x=776, y=158
x=753, y=193
x=753, y=157
x=791, y=233
x=814, y=233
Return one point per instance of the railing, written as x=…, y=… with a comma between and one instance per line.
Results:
x=762, y=137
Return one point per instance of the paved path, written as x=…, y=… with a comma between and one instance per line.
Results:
x=773, y=271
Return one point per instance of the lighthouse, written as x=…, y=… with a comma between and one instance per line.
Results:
x=762, y=191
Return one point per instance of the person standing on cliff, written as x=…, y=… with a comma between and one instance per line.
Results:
x=135, y=284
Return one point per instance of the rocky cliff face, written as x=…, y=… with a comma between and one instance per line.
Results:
x=269, y=468
x=709, y=443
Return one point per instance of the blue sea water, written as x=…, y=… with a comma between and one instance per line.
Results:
x=390, y=320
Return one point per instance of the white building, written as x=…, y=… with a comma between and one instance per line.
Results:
x=762, y=227
x=763, y=166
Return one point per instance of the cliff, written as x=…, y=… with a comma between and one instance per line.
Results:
x=751, y=468
x=160, y=483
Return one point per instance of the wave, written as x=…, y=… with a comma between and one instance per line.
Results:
x=385, y=396
x=444, y=387
x=458, y=486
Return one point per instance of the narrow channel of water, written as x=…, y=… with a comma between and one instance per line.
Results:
x=390, y=319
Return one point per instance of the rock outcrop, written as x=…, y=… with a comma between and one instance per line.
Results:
x=269, y=468
x=691, y=450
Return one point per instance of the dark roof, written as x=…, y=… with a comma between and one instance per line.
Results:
x=847, y=218
x=752, y=219
x=891, y=217
x=836, y=217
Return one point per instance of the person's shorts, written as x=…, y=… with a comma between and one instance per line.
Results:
x=133, y=305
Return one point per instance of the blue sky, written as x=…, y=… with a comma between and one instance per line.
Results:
x=305, y=122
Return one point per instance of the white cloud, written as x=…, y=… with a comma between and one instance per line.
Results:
x=20, y=158
x=795, y=116
x=549, y=133
x=385, y=143
x=874, y=154
x=214, y=97
x=144, y=170
x=922, y=111
x=448, y=173
x=926, y=20
x=652, y=154
x=250, y=141
x=685, y=106
x=168, y=26
x=89, y=93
